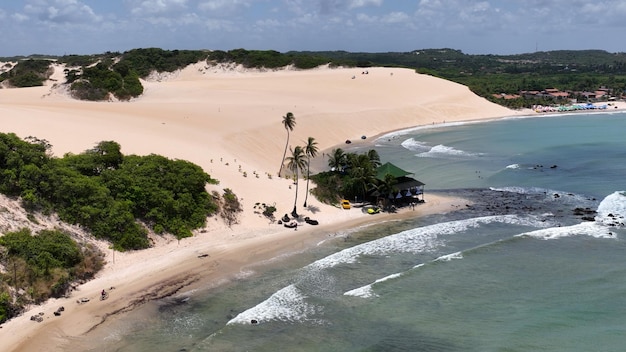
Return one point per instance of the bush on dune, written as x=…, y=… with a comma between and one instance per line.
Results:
x=111, y=194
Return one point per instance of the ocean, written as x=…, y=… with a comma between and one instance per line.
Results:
x=535, y=263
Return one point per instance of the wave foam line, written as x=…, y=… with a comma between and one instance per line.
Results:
x=594, y=229
x=421, y=239
x=287, y=304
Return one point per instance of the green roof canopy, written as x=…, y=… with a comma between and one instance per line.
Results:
x=390, y=169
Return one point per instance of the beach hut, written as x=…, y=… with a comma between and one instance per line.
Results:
x=409, y=189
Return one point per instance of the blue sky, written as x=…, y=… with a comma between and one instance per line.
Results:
x=58, y=27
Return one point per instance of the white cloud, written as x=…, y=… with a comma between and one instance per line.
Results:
x=59, y=12
x=153, y=7
x=214, y=25
x=19, y=17
x=353, y=4
x=396, y=17
x=219, y=5
x=362, y=17
x=328, y=7
x=268, y=23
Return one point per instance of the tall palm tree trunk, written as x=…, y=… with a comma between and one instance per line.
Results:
x=294, y=213
x=284, y=154
x=308, y=169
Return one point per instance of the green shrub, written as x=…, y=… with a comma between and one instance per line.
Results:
x=107, y=192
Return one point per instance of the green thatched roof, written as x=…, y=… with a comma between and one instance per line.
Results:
x=390, y=169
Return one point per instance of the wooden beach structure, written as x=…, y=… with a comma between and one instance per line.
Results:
x=406, y=190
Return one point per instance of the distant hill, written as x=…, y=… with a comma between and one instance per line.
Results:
x=493, y=76
x=98, y=77
x=442, y=59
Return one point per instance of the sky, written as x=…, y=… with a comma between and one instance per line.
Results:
x=63, y=27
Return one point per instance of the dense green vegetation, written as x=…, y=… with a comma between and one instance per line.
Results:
x=108, y=192
x=352, y=176
x=97, y=82
x=274, y=59
x=145, y=61
x=28, y=73
x=41, y=266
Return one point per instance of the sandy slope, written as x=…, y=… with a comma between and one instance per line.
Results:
x=227, y=120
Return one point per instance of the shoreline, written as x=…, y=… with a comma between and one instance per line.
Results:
x=249, y=136
x=187, y=272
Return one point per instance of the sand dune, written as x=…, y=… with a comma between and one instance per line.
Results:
x=227, y=120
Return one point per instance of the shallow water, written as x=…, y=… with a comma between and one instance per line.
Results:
x=518, y=271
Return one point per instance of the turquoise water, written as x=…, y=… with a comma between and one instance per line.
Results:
x=511, y=152
x=528, y=276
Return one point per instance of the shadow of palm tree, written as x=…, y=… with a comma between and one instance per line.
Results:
x=313, y=209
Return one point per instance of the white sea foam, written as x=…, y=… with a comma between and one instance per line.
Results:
x=415, y=146
x=440, y=151
x=612, y=209
x=363, y=292
x=426, y=151
x=513, y=166
x=288, y=305
x=422, y=239
x=610, y=213
x=449, y=257
x=593, y=229
x=367, y=291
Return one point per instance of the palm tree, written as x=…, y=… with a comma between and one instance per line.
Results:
x=387, y=187
x=289, y=122
x=374, y=158
x=296, y=162
x=362, y=173
x=310, y=149
x=337, y=159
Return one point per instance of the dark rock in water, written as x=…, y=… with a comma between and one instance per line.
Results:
x=254, y=321
x=562, y=210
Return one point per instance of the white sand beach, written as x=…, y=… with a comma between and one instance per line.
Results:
x=227, y=120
